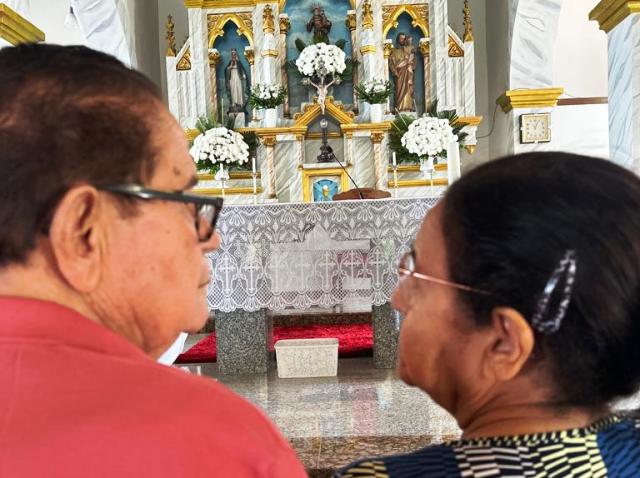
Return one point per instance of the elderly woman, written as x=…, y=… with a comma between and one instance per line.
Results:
x=521, y=299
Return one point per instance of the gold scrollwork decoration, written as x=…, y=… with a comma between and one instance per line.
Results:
x=268, y=24
x=455, y=51
x=424, y=47
x=388, y=47
x=468, y=24
x=216, y=23
x=285, y=24
x=350, y=21
x=419, y=17
x=249, y=55
x=184, y=63
x=171, y=37
x=367, y=15
x=214, y=57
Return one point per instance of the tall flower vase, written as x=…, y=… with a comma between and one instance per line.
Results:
x=270, y=117
x=427, y=168
x=376, y=112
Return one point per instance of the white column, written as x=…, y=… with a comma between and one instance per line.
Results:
x=214, y=59
x=285, y=25
x=425, y=50
x=351, y=23
x=250, y=56
x=270, y=50
x=623, y=28
x=439, y=49
x=388, y=48
x=368, y=41
x=270, y=143
x=200, y=62
x=380, y=169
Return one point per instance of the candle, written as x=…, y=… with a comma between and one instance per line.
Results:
x=453, y=161
x=222, y=171
x=253, y=164
x=394, y=159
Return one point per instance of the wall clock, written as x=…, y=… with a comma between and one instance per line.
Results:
x=535, y=128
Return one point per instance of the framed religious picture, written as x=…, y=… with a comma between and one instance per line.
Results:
x=321, y=184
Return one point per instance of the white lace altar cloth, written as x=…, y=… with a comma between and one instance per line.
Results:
x=278, y=256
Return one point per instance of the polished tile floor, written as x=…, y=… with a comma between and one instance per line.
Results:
x=362, y=412
x=331, y=421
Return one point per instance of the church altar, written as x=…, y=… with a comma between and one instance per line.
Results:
x=284, y=256
x=234, y=45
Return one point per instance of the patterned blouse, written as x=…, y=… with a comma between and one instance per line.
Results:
x=608, y=448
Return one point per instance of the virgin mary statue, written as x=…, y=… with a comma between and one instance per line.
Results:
x=236, y=81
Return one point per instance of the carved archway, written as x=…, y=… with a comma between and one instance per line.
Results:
x=419, y=17
x=217, y=22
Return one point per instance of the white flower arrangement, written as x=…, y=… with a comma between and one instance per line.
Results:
x=427, y=137
x=374, y=91
x=219, y=146
x=321, y=60
x=266, y=95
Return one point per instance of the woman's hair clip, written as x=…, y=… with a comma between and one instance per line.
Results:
x=543, y=320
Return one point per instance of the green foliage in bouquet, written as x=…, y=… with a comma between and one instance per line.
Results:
x=205, y=123
x=273, y=101
x=401, y=123
x=373, y=97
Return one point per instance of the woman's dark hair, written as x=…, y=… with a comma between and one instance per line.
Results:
x=69, y=115
x=507, y=225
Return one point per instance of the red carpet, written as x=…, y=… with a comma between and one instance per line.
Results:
x=354, y=340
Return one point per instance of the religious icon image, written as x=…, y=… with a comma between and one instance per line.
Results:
x=320, y=25
x=402, y=64
x=237, y=83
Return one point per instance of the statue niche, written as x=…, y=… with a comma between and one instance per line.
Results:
x=402, y=64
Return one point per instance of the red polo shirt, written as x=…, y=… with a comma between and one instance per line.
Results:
x=77, y=400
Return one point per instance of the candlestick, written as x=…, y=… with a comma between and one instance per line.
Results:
x=253, y=164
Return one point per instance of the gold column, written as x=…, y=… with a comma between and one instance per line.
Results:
x=350, y=22
x=376, y=139
x=250, y=56
x=425, y=50
x=285, y=26
x=367, y=15
x=214, y=59
x=270, y=143
x=388, y=47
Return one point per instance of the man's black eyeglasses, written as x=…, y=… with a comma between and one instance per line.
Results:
x=207, y=208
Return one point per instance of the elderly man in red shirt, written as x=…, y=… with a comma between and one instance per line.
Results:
x=101, y=266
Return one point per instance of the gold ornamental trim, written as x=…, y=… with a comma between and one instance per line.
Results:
x=610, y=13
x=351, y=22
x=311, y=112
x=413, y=183
x=232, y=175
x=284, y=23
x=414, y=168
x=268, y=22
x=216, y=23
x=455, y=50
x=16, y=29
x=468, y=24
x=270, y=53
x=249, y=55
x=308, y=174
x=170, y=37
x=469, y=120
x=232, y=190
x=534, y=98
x=367, y=15
x=471, y=148
x=238, y=3
x=419, y=17
x=387, y=48
x=184, y=63
x=373, y=127
x=368, y=49
x=214, y=57
x=424, y=47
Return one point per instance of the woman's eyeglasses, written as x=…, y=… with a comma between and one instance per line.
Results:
x=207, y=209
x=407, y=267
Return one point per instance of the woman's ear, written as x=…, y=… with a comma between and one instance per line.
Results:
x=511, y=344
x=74, y=237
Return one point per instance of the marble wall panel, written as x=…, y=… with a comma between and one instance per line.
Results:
x=287, y=172
x=363, y=165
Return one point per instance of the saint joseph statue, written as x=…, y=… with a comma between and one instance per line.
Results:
x=402, y=63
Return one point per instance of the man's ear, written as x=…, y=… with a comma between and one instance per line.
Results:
x=511, y=344
x=75, y=238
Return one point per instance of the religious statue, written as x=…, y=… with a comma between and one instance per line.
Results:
x=402, y=63
x=320, y=25
x=236, y=83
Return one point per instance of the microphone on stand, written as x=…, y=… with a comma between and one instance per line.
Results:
x=328, y=155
